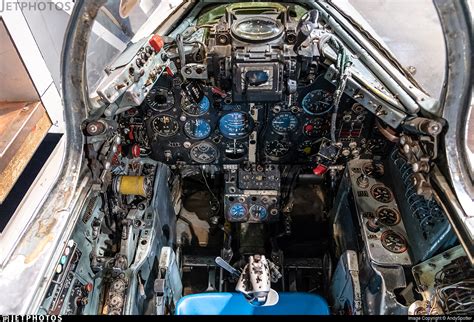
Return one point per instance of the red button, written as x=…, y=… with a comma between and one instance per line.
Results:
x=320, y=170
x=136, y=150
x=88, y=287
x=169, y=71
x=218, y=91
x=309, y=128
x=156, y=42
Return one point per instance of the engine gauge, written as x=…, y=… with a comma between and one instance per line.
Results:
x=193, y=109
x=235, y=125
x=203, y=152
x=393, y=242
x=317, y=102
x=198, y=129
x=237, y=211
x=165, y=125
x=381, y=193
x=276, y=149
x=373, y=169
x=388, y=216
x=160, y=99
x=258, y=212
x=285, y=123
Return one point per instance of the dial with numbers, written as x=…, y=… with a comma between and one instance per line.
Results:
x=198, y=129
x=285, y=123
x=276, y=149
x=203, y=152
x=388, y=216
x=381, y=193
x=194, y=109
x=317, y=102
x=237, y=211
x=258, y=212
x=165, y=125
x=393, y=242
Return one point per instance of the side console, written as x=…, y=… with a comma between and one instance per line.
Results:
x=367, y=220
x=382, y=227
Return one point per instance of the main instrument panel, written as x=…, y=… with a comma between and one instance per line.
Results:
x=218, y=131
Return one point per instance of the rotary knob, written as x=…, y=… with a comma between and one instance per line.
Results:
x=373, y=225
x=363, y=181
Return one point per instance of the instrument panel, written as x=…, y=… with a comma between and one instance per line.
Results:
x=218, y=131
x=382, y=226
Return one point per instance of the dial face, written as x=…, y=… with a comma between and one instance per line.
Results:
x=257, y=29
x=160, y=99
x=165, y=125
x=381, y=193
x=393, y=242
x=235, y=125
x=388, y=216
x=373, y=169
x=308, y=148
x=276, y=149
x=198, y=129
x=314, y=128
x=285, y=123
x=196, y=109
x=203, y=152
x=237, y=211
x=317, y=102
x=258, y=212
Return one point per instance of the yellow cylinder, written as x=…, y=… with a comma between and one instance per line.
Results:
x=132, y=185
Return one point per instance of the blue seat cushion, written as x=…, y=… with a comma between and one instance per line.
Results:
x=291, y=303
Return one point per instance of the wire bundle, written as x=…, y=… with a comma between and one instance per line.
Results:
x=454, y=287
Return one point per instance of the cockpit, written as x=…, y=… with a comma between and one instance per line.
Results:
x=258, y=158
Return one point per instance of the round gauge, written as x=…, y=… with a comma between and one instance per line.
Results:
x=195, y=109
x=198, y=129
x=388, y=216
x=381, y=193
x=308, y=148
x=237, y=211
x=317, y=102
x=235, y=125
x=160, y=99
x=257, y=29
x=373, y=169
x=285, y=123
x=203, y=152
x=258, y=212
x=393, y=242
x=314, y=128
x=165, y=125
x=235, y=150
x=276, y=149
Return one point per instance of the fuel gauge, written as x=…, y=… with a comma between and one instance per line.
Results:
x=393, y=242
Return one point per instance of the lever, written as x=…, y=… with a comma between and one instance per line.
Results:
x=222, y=263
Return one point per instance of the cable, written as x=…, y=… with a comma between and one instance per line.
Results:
x=343, y=64
x=180, y=45
x=210, y=190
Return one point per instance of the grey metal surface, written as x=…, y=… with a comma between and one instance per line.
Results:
x=412, y=31
x=19, y=86
x=48, y=27
x=367, y=208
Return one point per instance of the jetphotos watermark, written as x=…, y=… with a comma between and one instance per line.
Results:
x=36, y=5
